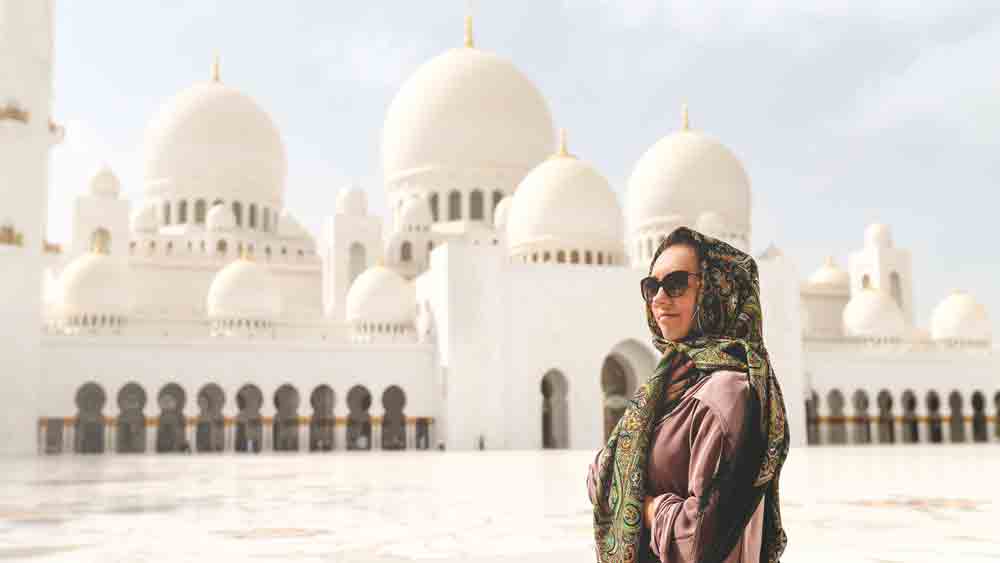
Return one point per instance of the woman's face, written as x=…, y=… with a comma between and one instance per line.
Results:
x=675, y=315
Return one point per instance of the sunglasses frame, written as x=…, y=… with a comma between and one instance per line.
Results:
x=673, y=292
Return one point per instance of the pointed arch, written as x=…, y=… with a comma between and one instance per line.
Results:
x=555, y=410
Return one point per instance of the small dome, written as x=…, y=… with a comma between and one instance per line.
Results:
x=877, y=235
x=500, y=214
x=873, y=314
x=145, y=219
x=104, y=183
x=465, y=108
x=352, y=200
x=960, y=317
x=415, y=215
x=244, y=289
x=830, y=276
x=380, y=295
x=290, y=228
x=566, y=202
x=685, y=175
x=96, y=283
x=220, y=218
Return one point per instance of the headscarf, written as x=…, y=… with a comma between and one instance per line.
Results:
x=726, y=334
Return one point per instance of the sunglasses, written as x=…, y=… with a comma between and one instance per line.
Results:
x=675, y=284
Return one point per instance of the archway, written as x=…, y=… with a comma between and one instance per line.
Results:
x=956, y=420
x=623, y=367
x=321, y=435
x=131, y=422
x=935, y=430
x=170, y=432
x=89, y=428
x=357, y=262
x=896, y=289
x=393, y=421
x=886, y=424
x=359, y=421
x=210, y=434
x=862, y=425
x=838, y=426
x=100, y=241
x=812, y=420
x=249, y=432
x=285, y=427
x=979, y=431
x=911, y=429
x=996, y=414
x=555, y=411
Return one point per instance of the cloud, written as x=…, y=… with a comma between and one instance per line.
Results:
x=374, y=59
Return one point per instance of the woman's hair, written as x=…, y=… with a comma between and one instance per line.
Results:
x=679, y=236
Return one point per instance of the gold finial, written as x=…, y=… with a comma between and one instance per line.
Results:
x=685, y=122
x=215, y=69
x=246, y=254
x=14, y=112
x=829, y=261
x=562, y=143
x=468, y=33
x=562, y=151
x=10, y=236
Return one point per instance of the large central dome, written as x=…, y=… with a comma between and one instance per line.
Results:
x=684, y=177
x=213, y=141
x=465, y=108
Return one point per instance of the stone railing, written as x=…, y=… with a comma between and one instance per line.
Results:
x=901, y=429
x=115, y=435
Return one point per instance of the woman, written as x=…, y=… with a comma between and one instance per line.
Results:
x=690, y=472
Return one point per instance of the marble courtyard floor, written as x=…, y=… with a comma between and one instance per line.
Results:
x=845, y=504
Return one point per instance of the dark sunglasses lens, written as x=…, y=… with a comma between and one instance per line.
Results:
x=649, y=288
x=675, y=283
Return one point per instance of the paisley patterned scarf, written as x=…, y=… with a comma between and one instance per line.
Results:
x=726, y=334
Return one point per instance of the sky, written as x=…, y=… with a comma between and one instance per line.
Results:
x=843, y=112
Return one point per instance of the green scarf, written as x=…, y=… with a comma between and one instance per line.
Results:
x=726, y=334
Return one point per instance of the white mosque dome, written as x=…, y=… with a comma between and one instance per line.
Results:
x=960, y=317
x=96, y=283
x=244, y=289
x=500, y=214
x=465, y=108
x=104, y=183
x=352, y=200
x=380, y=295
x=711, y=224
x=220, y=218
x=214, y=141
x=685, y=175
x=568, y=202
x=877, y=235
x=289, y=227
x=415, y=215
x=145, y=219
x=830, y=276
x=872, y=313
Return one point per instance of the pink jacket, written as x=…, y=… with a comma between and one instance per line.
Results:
x=686, y=446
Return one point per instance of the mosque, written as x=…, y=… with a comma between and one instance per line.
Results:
x=205, y=318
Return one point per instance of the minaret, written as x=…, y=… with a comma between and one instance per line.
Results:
x=27, y=132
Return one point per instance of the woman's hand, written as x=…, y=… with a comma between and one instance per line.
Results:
x=679, y=380
x=649, y=511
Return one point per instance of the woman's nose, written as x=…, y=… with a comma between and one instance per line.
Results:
x=661, y=296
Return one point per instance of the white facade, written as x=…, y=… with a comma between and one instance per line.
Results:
x=486, y=310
